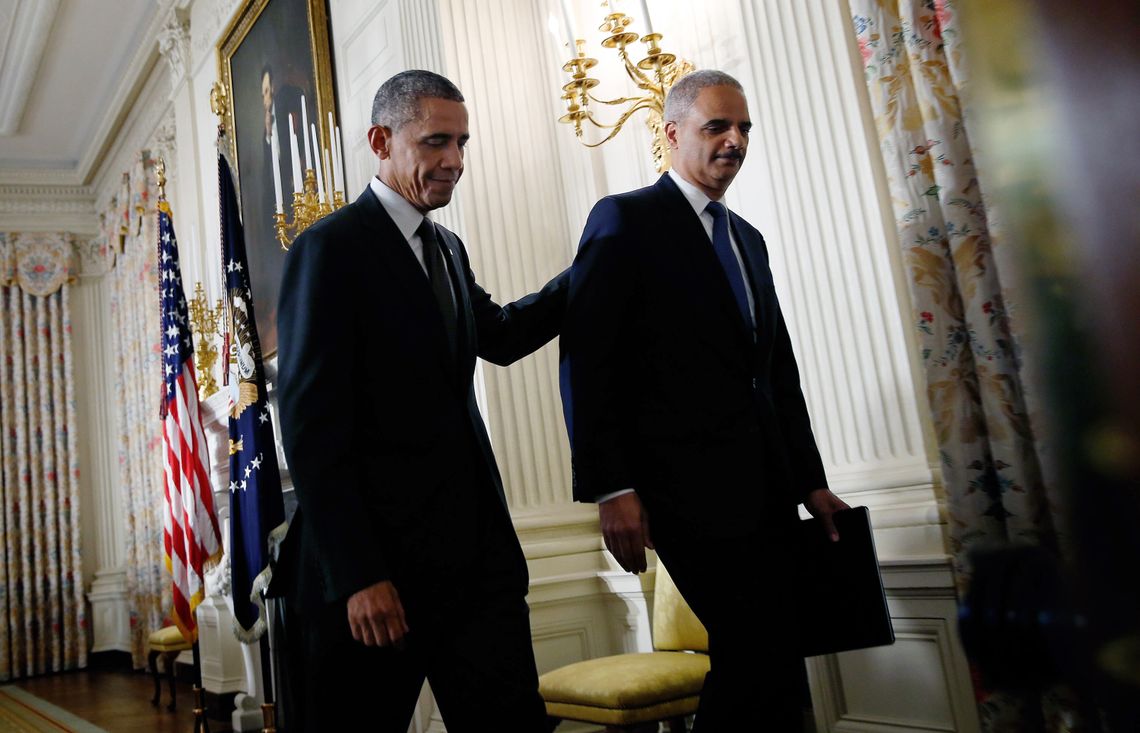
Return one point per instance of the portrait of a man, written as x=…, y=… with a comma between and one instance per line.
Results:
x=273, y=71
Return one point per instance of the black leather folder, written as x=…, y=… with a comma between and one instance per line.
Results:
x=841, y=599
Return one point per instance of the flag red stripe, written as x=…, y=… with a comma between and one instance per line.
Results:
x=191, y=532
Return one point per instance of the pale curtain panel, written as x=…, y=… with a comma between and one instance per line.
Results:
x=138, y=382
x=916, y=75
x=43, y=623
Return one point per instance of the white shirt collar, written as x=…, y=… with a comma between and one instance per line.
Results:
x=695, y=196
x=406, y=216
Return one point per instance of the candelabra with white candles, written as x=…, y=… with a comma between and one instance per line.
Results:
x=318, y=192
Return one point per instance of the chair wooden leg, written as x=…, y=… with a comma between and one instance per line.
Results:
x=170, y=656
x=152, y=663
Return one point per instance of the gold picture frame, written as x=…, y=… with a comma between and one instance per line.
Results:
x=272, y=55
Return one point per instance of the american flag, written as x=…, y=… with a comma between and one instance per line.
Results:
x=190, y=527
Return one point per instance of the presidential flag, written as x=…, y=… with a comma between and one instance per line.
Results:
x=190, y=527
x=257, y=512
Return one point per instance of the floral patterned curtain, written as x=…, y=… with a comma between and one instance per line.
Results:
x=43, y=623
x=917, y=77
x=129, y=228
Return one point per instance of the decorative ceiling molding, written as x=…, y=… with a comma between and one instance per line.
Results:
x=46, y=207
x=46, y=199
x=29, y=24
x=142, y=62
x=39, y=177
x=174, y=45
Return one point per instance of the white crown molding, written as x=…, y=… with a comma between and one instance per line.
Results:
x=39, y=177
x=46, y=199
x=20, y=58
x=37, y=207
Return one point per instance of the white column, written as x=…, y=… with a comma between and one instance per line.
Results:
x=102, y=507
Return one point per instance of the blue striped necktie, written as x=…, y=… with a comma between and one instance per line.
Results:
x=722, y=245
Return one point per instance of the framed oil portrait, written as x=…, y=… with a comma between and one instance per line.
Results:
x=273, y=57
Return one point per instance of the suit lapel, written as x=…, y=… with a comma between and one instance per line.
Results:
x=691, y=236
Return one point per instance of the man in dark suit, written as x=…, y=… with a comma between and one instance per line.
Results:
x=401, y=562
x=683, y=403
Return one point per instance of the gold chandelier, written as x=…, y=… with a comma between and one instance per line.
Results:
x=654, y=75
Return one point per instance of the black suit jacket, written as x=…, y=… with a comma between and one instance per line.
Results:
x=374, y=411
x=664, y=388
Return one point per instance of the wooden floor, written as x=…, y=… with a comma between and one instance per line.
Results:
x=119, y=701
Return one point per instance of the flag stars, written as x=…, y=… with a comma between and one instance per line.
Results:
x=263, y=417
x=256, y=462
x=248, y=470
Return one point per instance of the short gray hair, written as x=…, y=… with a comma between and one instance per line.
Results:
x=686, y=90
x=397, y=101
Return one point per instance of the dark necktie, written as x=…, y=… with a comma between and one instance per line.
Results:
x=722, y=245
x=440, y=283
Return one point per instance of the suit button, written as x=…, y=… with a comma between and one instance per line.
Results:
x=754, y=381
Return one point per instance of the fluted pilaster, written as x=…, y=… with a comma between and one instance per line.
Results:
x=831, y=252
x=95, y=383
x=514, y=223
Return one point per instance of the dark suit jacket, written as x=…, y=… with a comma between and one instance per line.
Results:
x=664, y=389
x=374, y=411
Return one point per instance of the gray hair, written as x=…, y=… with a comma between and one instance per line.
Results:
x=397, y=101
x=686, y=90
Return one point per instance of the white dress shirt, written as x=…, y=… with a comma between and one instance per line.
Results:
x=698, y=200
x=407, y=217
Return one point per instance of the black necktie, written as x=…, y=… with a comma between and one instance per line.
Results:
x=722, y=245
x=440, y=283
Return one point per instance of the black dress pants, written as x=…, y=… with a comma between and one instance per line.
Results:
x=739, y=588
x=469, y=637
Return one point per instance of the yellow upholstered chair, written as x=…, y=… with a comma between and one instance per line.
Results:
x=167, y=642
x=627, y=691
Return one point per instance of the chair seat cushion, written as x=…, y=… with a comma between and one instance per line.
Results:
x=626, y=688
x=167, y=639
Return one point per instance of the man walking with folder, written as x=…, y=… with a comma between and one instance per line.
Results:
x=682, y=398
